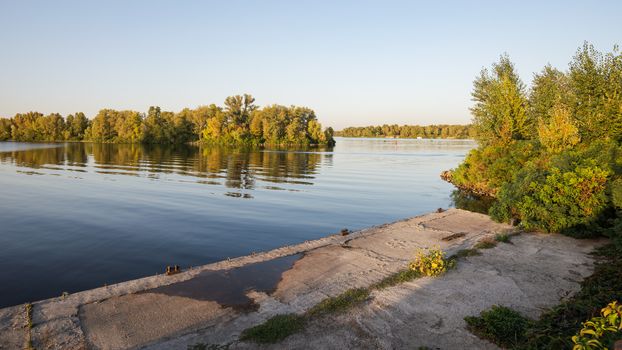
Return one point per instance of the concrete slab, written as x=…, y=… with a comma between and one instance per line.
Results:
x=172, y=312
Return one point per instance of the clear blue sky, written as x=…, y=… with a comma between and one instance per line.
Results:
x=354, y=62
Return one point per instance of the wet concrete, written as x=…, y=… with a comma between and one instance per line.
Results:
x=230, y=287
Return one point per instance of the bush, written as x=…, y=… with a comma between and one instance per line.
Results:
x=600, y=332
x=501, y=325
x=554, y=198
x=431, y=263
x=486, y=169
x=616, y=193
x=502, y=237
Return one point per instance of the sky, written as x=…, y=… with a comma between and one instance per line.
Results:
x=354, y=62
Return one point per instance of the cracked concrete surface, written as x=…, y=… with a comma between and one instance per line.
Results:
x=530, y=274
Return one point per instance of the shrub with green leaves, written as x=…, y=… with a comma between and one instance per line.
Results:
x=552, y=156
x=600, y=332
x=486, y=169
x=553, y=199
x=431, y=262
x=501, y=325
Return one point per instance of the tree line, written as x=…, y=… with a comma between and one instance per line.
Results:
x=444, y=131
x=239, y=122
x=550, y=155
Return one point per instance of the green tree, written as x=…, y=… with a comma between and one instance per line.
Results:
x=558, y=132
x=550, y=88
x=5, y=129
x=24, y=126
x=596, y=82
x=500, y=110
x=128, y=127
x=76, y=126
x=50, y=128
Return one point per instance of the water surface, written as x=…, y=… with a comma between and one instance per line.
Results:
x=77, y=216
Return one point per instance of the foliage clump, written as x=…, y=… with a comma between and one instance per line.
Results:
x=501, y=325
x=341, y=302
x=402, y=276
x=431, y=263
x=551, y=155
x=502, y=237
x=463, y=253
x=486, y=243
x=601, y=331
x=274, y=329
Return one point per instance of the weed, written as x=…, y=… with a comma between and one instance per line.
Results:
x=402, y=276
x=274, y=329
x=29, y=324
x=600, y=332
x=341, y=302
x=501, y=325
x=203, y=346
x=431, y=263
x=502, y=237
x=463, y=253
x=485, y=243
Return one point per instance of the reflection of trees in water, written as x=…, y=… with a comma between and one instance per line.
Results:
x=470, y=202
x=76, y=154
x=240, y=168
x=71, y=154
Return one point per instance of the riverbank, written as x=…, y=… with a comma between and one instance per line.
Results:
x=215, y=303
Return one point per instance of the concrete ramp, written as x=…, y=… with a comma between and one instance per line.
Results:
x=214, y=303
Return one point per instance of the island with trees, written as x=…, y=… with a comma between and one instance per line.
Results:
x=443, y=131
x=239, y=122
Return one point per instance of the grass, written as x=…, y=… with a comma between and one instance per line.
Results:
x=29, y=324
x=274, y=329
x=463, y=253
x=203, y=346
x=501, y=325
x=485, y=244
x=402, y=276
x=341, y=302
x=502, y=237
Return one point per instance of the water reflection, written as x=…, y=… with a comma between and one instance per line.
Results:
x=236, y=168
x=463, y=200
x=103, y=213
